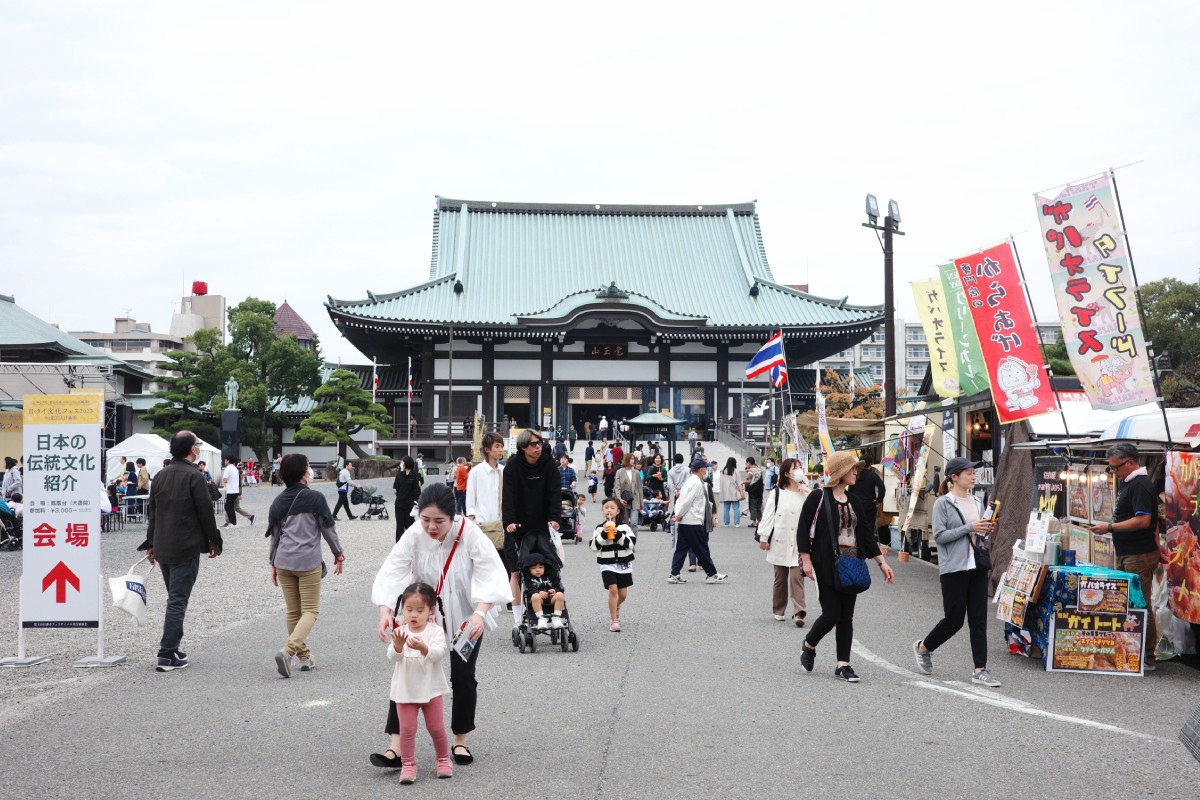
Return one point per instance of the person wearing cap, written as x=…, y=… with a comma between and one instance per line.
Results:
x=695, y=515
x=853, y=535
x=957, y=527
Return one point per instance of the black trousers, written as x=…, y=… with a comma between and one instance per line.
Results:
x=837, y=611
x=231, y=502
x=465, y=695
x=964, y=594
x=404, y=521
x=694, y=539
x=343, y=501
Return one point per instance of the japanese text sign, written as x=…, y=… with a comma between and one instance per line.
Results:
x=935, y=319
x=1007, y=337
x=60, y=579
x=972, y=375
x=1097, y=299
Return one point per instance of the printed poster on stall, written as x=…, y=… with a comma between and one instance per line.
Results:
x=60, y=580
x=1007, y=336
x=972, y=374
x=1103, y=554
x=1049, y=486
x=1181, y=550
x=918, y=478
x=935, y=321
x=1094, y=642
x=1103, y=595
x=1078, y=507
x=1079, y=541
x=1094, y=288
x=1102, y=493
x=1019, y=588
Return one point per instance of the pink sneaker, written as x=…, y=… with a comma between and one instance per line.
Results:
x=444, y=768
x=615, y=627
x=408, y=773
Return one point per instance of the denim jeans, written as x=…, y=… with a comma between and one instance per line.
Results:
x=179, y=580
x=734, y=508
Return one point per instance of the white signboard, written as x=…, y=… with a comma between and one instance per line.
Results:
x=60, y=581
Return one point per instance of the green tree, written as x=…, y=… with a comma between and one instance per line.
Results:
x=344, y=409
x=271, y=370
x=1172, y=311
x=186, y=402
x=1059, y=359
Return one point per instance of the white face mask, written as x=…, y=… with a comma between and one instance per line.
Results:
x=798, y=475
x=310, y=475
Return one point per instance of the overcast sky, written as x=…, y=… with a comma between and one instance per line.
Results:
x=293, y=150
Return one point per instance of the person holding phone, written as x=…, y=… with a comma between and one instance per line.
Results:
x=958, y=527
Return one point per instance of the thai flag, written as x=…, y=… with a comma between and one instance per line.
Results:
x=779, y=376
x=768, y=356
x=374, y=378
x=410, y=378
x=1091, y=203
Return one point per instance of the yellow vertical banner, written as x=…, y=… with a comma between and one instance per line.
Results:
x=935, y=320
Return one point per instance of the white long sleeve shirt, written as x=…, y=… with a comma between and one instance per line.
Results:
x=690, y=505
x=483, y=492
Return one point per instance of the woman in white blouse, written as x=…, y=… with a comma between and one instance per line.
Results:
x=777, y=535
x=441, y=543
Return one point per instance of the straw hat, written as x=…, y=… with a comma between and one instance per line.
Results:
x=839, y=464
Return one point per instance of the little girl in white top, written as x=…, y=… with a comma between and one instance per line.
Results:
x=418, y=682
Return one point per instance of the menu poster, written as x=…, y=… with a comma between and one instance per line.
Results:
x=1036, y=531
x=1181, y=549
x=1049, y=486
x=1079, y=539
x=1103, y=493
x=1077, y=494
x=1103, y=595
x=1103, y=554
x=1019, y=588
x=1110, y=644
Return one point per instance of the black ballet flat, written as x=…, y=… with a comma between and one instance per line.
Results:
x=464, y=757
x=382, y=760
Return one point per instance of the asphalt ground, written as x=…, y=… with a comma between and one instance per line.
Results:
x=702, y=694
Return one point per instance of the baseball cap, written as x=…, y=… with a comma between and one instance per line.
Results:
x=958, y=464
x=698, y=462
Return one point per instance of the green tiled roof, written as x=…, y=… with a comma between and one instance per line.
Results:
x=21, y=331
x=517, y=264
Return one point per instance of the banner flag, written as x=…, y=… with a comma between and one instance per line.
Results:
x=769, y=355
x=823, y=428
x=1096, y=295
x=1181, y=554
x=1007, y=336
x=972, y=375
x=935, y=320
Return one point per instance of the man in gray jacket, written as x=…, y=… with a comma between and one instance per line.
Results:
x=180, y=527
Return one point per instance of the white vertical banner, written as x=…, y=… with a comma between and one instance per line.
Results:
x=949, y=444
x=60, y=581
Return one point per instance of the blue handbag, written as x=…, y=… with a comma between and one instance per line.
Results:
x=850, y=574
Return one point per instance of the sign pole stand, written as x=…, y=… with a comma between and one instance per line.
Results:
x=22, y=660
x=100, y=660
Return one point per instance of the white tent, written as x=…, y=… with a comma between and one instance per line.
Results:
x=1185, y=427
x=154, y=449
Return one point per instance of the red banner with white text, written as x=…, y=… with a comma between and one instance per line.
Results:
x=1007, y=336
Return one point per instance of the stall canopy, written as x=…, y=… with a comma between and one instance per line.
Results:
x=650, y=422
x=1082, y=419
x=1185, y=426
x=154, y=449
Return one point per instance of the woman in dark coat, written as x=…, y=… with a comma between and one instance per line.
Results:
x=853, y=534
x=408, y=489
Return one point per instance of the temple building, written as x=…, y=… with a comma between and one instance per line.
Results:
x=555, y=314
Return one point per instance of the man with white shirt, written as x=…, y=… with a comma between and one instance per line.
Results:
x=483, y=506
x=233, y=494
x=694, y=517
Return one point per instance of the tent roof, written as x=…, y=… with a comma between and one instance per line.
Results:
x=654, y=419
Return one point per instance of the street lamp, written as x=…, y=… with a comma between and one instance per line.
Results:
x=891, y=225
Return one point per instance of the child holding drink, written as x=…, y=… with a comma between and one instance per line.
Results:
x=613, y=541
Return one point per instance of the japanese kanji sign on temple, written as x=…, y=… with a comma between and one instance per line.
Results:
x=61, y=560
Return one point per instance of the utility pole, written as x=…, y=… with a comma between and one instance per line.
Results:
x=891, y=225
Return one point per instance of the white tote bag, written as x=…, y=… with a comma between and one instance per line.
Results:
x=129, y=593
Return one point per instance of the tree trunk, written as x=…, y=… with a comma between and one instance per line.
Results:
x=358, y=451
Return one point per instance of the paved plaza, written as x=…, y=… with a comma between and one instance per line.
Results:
x=702, y=695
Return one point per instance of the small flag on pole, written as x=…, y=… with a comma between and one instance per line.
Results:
x=1091, y=203
x=768, y=356
x=779, y=376
x=410, y=377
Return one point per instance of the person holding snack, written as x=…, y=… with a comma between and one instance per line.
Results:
x=417, y=649
x=450, y=553
x=959, y=527
x=613, y=541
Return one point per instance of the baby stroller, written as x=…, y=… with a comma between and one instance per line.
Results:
x=524, y=636
x=376, y=503
x=10, y=531
x=654, y=511
x=567, y=526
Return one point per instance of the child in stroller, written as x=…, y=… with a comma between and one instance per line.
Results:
x=654, y=509
x=541, y=589
x=567, y=527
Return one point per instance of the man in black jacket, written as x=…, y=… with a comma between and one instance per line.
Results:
x=181, y=526
x=870, y=490
x=532, y=498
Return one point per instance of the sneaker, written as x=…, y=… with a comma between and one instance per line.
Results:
x=780, y=618
x=444, y=768
x=543, y=623
x=557, y=622
x=924, y=660
x=985, y=678
x=226, y=525
x=718, y=578
x=675, y=579
x=846, y=673
x=1149, y=666
x=408, y=774
x=615, y=626
x=283, y=662
x=808, y=657
x=307, y=664
x=170, y=664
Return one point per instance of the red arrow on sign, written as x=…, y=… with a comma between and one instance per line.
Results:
x=60, y=576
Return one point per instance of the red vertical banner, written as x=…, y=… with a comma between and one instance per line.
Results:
x=1008, y=338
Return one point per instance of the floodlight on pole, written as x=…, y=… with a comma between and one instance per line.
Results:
x=891, y=225
x=872, y=209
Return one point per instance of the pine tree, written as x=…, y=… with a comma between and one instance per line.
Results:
x=344, y=409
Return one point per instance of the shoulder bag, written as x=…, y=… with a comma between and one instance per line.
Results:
x=983, y=556
x=757, y=532
x=850, y=573
x=495, y=530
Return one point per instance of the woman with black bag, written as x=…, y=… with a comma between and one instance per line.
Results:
x=963, y=566
x=842, y=535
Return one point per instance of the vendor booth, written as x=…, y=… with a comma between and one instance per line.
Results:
x=155, y=449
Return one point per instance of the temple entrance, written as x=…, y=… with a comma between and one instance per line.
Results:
x=590, y=403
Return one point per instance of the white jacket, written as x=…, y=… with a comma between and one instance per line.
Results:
x=417, y=678
x=781, y=525
x=690, y=505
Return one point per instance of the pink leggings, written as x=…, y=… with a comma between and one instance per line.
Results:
x=434, y=723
